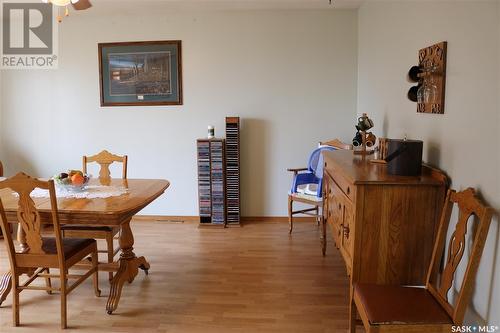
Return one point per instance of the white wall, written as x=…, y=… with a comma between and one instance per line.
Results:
x=463, y=141
x=289, y=74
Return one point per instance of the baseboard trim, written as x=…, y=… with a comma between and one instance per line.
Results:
x=281, y=219
x=166, y=218
x=196, y=219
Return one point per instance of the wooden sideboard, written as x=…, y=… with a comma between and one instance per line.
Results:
x=383, y=225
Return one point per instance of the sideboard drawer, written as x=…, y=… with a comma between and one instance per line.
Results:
x=347, y=187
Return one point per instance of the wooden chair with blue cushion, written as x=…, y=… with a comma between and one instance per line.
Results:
x=307, y=185
x=393, y=308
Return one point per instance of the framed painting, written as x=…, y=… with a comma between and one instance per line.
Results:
x=140, y=73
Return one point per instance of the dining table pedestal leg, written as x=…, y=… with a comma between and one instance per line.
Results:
x=129, y=265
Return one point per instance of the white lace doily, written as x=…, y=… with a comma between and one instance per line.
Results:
x=90, y=192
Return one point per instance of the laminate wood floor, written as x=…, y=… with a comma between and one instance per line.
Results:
x=250, y=279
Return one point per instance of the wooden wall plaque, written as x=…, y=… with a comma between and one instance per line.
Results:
x=431, y=56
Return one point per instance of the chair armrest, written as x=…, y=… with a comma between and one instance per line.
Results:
x=296, y=170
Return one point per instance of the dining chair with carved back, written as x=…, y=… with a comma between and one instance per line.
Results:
x=104, y=159
x=43, y=252
x=392, y=308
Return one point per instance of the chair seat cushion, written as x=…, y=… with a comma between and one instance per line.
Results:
x=387, y=304
x=306, y=197
x=70, y=245
x=84, y=228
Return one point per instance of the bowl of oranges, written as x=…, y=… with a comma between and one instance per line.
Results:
x=73, y=180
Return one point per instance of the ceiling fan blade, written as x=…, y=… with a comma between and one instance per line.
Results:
x=82, y=5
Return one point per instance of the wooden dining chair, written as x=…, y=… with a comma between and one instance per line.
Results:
x=104, y=159
x=385, y=308
x=43, y=252
x=305, y=178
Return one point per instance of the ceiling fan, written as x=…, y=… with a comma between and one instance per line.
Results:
x=77, y=5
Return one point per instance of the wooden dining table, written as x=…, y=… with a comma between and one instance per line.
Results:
x=111, y=212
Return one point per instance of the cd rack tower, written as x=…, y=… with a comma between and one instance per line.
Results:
x=233, y=170
x=211, y=181
x=219, y=196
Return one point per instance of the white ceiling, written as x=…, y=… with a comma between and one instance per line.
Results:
x=248, y=4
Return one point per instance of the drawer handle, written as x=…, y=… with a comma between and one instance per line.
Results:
x=340, y=206
x=348, y=190
x=346, y=231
